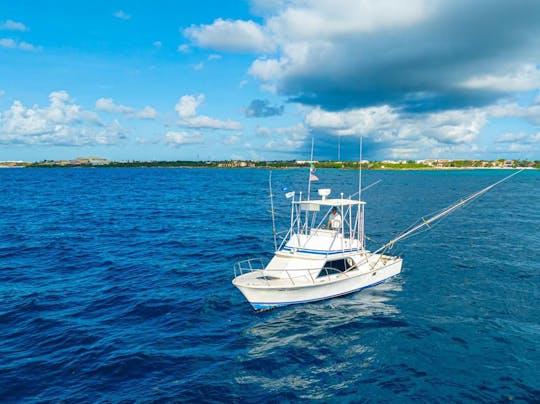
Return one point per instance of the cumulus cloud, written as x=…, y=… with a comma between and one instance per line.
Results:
x=318, y=19
x=122, y=15
x=284, y=139
x=108, y=105
x=524, y=78
x=183, y=138
x=415, y=77
x=417, y=55
x=10, y=25
x=529, y=113
x=205, y=122
x=402, y=135
x=188, y=104
x=62, y=122
x=11, y=43
x=519, y=142
x=187, y=111
x=262, y=109
x=232, y=36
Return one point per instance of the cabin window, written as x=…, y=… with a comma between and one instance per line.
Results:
x=336, y=266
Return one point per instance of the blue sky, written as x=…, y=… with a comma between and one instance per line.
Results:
x=205, y=80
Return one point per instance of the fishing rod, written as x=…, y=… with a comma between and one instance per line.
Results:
x=444, y=212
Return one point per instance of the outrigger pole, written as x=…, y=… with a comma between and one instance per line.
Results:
x=272, y=210
x=444, y=212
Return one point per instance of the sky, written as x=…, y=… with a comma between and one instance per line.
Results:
x=259, y=79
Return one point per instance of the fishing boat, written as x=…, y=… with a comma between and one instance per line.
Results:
x=323, y=254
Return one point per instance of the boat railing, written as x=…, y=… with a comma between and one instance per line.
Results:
x=249, y=265
x=294, y=276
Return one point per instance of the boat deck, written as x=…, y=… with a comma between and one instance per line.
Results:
x=264, y=278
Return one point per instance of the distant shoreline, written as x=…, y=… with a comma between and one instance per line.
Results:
x=425, y=164
x=396, y=167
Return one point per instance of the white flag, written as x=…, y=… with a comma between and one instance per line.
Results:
x=289, y=194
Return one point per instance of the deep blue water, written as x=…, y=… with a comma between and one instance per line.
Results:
x=116, y=284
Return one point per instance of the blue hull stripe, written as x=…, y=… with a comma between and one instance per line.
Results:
x=263, y=306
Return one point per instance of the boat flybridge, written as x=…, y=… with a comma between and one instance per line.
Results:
x=322, y=255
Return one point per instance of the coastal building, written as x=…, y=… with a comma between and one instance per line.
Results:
x=509, y=163
x=93, y=161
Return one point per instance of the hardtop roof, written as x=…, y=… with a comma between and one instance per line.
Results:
x=331, y=202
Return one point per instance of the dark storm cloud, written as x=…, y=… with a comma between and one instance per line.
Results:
x=262, y=109
x=422, y=67
x=344, y=148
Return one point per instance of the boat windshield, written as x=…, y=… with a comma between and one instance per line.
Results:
x=336, y=266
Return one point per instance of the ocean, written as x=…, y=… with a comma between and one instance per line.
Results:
x=115, y=286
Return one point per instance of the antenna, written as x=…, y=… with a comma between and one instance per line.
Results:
x=360, y=172
x=310, y=164
x=360, y=220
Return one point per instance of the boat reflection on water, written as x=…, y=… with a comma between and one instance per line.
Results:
x=319, y=318
x=307, y=343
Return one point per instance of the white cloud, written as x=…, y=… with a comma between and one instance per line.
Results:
x=187, y=111
x=183, y=138
x=405, y=135
x=146, y=113
x=10, y=25
x=524, y=78
x=233, y=139
x=520, y=141
x=10, y=43
x=62, y=122
x=512, y=137
x=353, y=122
x=214, y=56
x=205, y=122
x=268, y=69
x=416, y=54
x=2, y=92
x=108, y=105
x=157, y=44
x=121, y=14
x=148, y=140
x=188, y=104
x=199, y=66
x=229, y=35
x=324, y=19
x=284, y=139
x=530, y=113
x=183, y=48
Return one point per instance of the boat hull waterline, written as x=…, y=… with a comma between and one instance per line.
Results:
x=263, y=291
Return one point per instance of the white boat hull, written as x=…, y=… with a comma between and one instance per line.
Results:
x=281, y=292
